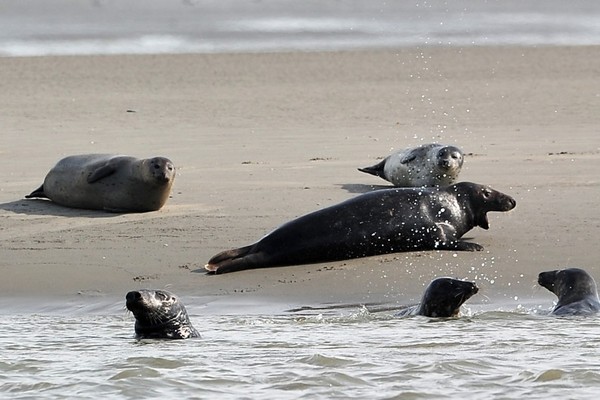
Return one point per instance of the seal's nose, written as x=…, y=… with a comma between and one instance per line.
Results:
x=133, y=296
x=512, y=203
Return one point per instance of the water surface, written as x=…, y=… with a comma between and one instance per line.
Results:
x=64, y=27
x=337, y=354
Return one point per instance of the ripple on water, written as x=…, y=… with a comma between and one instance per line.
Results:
x=350, y=354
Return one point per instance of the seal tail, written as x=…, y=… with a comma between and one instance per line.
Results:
x=376, y=169
x=39, y=192
x=232, y=260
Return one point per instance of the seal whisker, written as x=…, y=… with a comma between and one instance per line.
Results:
x=159, y=314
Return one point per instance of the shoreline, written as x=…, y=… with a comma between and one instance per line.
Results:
x=259, y=139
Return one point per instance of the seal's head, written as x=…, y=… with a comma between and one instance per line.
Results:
x=159, y=315
x=444, y=296
x=477, y=200
x=162, y=170
x=570, y=285
x=450, y=159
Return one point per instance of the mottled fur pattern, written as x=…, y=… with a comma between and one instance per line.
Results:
x=427, y=165
x=159, y=315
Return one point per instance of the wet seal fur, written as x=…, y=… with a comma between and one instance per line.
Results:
x=109, y=182
x=379, y=222
x=159, y=315
x=427, y=165
x=576, y=291
x=442, y=298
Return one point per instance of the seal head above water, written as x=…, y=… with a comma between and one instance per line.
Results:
x=576, y=291
x=159, y=315
x=427, y=165
x=109, y=182
x=379, y=222
x=442, y=298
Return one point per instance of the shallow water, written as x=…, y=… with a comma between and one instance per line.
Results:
x=65, y=27
x=343, y=353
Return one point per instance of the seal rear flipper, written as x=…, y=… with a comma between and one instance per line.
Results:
x=39, y=192
x=230, y=254
x=376, y=169
x=102, y=172
x=251, y=261
x=232, y=260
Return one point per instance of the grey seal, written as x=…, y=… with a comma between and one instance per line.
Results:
x=109, y=182
x=442, y=298
x=427, y=165
x=378, y=222
x=159, y=315
x=576, y=291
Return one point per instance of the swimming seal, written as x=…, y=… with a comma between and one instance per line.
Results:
x=427, y=165
x=109, y=182
x=159, y=315
x=379, y=222
x=576, y=291
x=442, y=298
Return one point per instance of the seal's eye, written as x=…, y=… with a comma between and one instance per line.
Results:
x=487, y=193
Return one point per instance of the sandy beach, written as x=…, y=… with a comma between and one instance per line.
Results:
x=259, y=139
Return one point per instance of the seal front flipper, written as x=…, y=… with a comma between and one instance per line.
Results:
x=408, y=158
x=376, y=169
x=459, y=245
x=39, y=192
x=101, y=172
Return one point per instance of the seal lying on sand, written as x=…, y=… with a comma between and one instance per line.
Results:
x=442, y=298
x=427, y=165
x=576, y=291
x=379, y=222
x=159, y=315
x=109, y=182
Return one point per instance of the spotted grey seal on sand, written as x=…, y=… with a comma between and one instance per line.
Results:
x=427, y=165
x=379, y=222
x=442, y=298
x=109, y=182
x=576, y=291
x=159, y=315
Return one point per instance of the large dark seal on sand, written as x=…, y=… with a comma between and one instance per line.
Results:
x=379, y=222
x=427, y=165
x=576, y=291
x=159, y=315
x=442, y=298
x=109, y=182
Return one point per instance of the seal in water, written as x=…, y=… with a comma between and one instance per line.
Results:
x=109, y=182
x=379, y=222
x=427, y=165
x=159, y=315
x=442, y=298
x=576, y=291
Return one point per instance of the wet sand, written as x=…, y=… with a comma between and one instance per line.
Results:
x=259, y=139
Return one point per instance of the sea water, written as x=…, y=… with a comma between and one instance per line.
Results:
x=65, y=27
x=330, y=353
